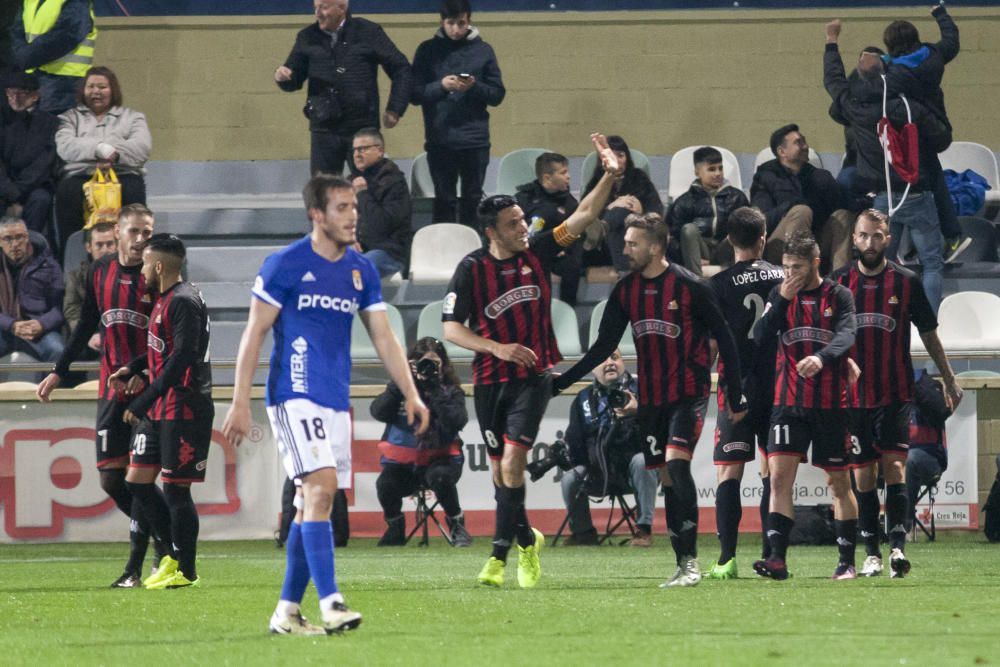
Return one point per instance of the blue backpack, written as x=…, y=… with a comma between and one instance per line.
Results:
x=967, y=190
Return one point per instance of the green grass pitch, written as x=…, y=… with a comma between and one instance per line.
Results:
x=594, y=606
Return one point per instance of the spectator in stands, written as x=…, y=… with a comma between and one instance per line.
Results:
x=384, y=205
x=795, y=195
x=635, y=193
x=859, y=103
x=99, y=240
x=547, y=202
x=455, y=79
x=340, y=55
x=99, y=132
x=57, y=39
x=31, y=294
x=27, y=153
x=699, y=216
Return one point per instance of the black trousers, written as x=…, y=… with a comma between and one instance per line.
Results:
x=396, y=482
x=69, y=202
x=329, y=151
x=447, y=166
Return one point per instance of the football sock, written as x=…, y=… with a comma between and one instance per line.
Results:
x=154, y=508
x=525, y=535
x=317, y=543
x=673, y=522
x=868, y=521
x=847, y=533
x=113, y=483
x=184, y=526
x=896, y=507
x=506, y=524
x=765, y=508
x=728, y=512
x=779, y=529
x=686, y=500
x=138, y=537
x=296, y=567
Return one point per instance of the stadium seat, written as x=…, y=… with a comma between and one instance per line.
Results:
x=682, y=170
x=429, y=324
x=75, y=252
x=18, y=385
x=421, y=184
x=640, y=159
x=969, y=321
x=977, y=374
x=627, y=344
x=437, y=249
x=225, y=341
x=362, y=346
x=984, y=241
x=765, y=155
x=517, y=167
x=89, y=385
x=962, y=155
x=233, y=264
x=566, y=328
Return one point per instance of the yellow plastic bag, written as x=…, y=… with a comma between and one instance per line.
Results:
x=102, y=198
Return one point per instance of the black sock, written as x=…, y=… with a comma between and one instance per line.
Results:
x=779, y=529
x=765, y=509
x=154, y=508
x=138, y=537
x=686, y=497
x=525, y=535
x=868, y=521
x=113, y=483
x=847, y=533
x=896, y=506
x=506, y=526
x=184, y=526
x=728, y=512
x=673, y=522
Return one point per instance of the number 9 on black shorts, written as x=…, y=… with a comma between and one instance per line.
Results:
x=178, y=447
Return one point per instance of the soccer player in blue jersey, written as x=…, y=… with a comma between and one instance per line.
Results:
x=308, y=294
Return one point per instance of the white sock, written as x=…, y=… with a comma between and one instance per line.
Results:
x=326, y=604
x=286, y=608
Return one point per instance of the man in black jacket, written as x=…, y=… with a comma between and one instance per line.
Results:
x=340, y=56
x=27, y=152
x=547, y=202
x=794, y=195
x=384, y=205
x=455, y=78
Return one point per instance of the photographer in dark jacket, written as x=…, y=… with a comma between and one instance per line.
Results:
x=433, y=460
x=340, y=56
x=384, y=205
x=455, y=79
x=928, y=454
x=606, y=454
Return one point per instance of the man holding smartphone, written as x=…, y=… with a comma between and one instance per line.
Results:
x=456, y=78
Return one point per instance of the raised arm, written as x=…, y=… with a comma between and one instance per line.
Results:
x=594, y=202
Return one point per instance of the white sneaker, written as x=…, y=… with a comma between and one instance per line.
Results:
x=688, y=574
x=294, y=624
x=899, y=564
x=340, y=618
x=872, y=567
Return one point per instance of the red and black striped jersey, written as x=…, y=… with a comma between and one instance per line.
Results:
x=116, y=301
x=885, y=304
x=177, y=357
x=818, y=322
x=673, y=317
x=508, y=301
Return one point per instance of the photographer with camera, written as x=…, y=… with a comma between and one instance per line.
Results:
x=605, y=453
x=433, y=460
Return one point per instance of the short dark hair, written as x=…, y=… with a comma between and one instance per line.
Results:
x=452, y=9
x=778, y=136
x=99, y=227
x=134, y=210
x=167, y=244
x=707, y=154
x=116, y=88
x=371, y=132
x=873, y=214
x=546, y=163
x=431, y=344
x=801, y=244
x=746, y=227
x=901, y=37
x=316, y=193
x=489, y=209
x=653, y=225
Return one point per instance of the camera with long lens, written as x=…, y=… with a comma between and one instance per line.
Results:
x=556, y=455
x=618, y=398
x=427, y=371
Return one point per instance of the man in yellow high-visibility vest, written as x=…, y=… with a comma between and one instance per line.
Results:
x=56, y=39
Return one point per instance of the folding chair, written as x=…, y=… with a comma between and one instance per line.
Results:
x=627, y=514
x=423, y=514
x=929, y=491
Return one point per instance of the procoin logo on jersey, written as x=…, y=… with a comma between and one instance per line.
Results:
x=327, y=302
x=299, y=366
x=655, y=328
x=509, y=299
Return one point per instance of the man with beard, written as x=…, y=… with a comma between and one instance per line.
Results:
x=887, y=298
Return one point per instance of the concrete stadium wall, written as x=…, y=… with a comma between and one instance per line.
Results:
x=663, y=80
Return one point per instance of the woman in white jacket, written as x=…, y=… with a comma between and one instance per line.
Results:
x=99, y=132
